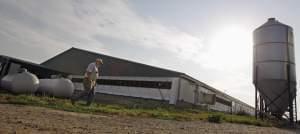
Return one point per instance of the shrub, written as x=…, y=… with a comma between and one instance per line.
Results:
x=215, y=118
x=242, y=113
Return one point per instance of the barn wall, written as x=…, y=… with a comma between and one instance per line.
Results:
x=187, y=91
x=220, y=107
x=147, y=93
x=190, y=92
x=181, y=90
x=238, y=107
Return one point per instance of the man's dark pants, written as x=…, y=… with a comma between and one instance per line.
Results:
x=89, y=91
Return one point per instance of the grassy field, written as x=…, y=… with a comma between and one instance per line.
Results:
x=163, y=112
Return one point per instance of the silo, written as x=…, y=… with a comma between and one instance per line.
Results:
x=274, y=74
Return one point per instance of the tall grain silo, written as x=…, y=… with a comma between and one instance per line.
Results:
x=274, y=74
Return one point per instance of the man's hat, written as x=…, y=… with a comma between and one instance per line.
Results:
x=99, y=60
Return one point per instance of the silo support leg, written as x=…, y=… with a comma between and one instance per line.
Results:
x=291, y=110
x=256, y=107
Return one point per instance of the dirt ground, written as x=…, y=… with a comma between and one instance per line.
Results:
x=16, y=119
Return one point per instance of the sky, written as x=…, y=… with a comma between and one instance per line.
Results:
x=210, y=40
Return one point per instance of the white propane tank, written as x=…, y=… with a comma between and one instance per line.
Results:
x=56, y=87
x=20, y=83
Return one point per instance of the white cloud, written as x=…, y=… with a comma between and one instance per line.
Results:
x=76, y=22
x=122, y=23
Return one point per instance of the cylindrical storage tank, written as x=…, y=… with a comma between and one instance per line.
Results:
x=20, y=83
x=274, y=65
x=56, y=87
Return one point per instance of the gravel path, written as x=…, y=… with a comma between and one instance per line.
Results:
x=17, y=119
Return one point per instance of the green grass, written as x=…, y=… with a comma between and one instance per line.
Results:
x=163, y=112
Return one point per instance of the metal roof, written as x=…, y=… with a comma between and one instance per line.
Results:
x=39, y=70
x=75, y=61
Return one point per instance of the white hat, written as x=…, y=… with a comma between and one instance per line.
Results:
x=99, y=60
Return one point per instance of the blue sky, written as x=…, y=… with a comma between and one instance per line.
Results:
x=210, y=40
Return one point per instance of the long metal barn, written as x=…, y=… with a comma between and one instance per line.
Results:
x=127, y=79
x=131, y=79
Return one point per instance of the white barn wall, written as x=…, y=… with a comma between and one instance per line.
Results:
x=147, y=93
x=187, y=91
x=174, y=92
x=182, y=89
x=240, y=107
x=205, y=90
x=151, y=93
x=220, y=107
x=187, y=94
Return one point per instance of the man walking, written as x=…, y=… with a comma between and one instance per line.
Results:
x=89, y=82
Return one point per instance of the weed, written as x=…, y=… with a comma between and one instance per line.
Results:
x=215, y=118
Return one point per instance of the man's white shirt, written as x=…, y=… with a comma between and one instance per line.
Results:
x=93, y=69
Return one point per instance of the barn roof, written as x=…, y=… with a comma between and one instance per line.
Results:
x=39, y=70
x=75, y=61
